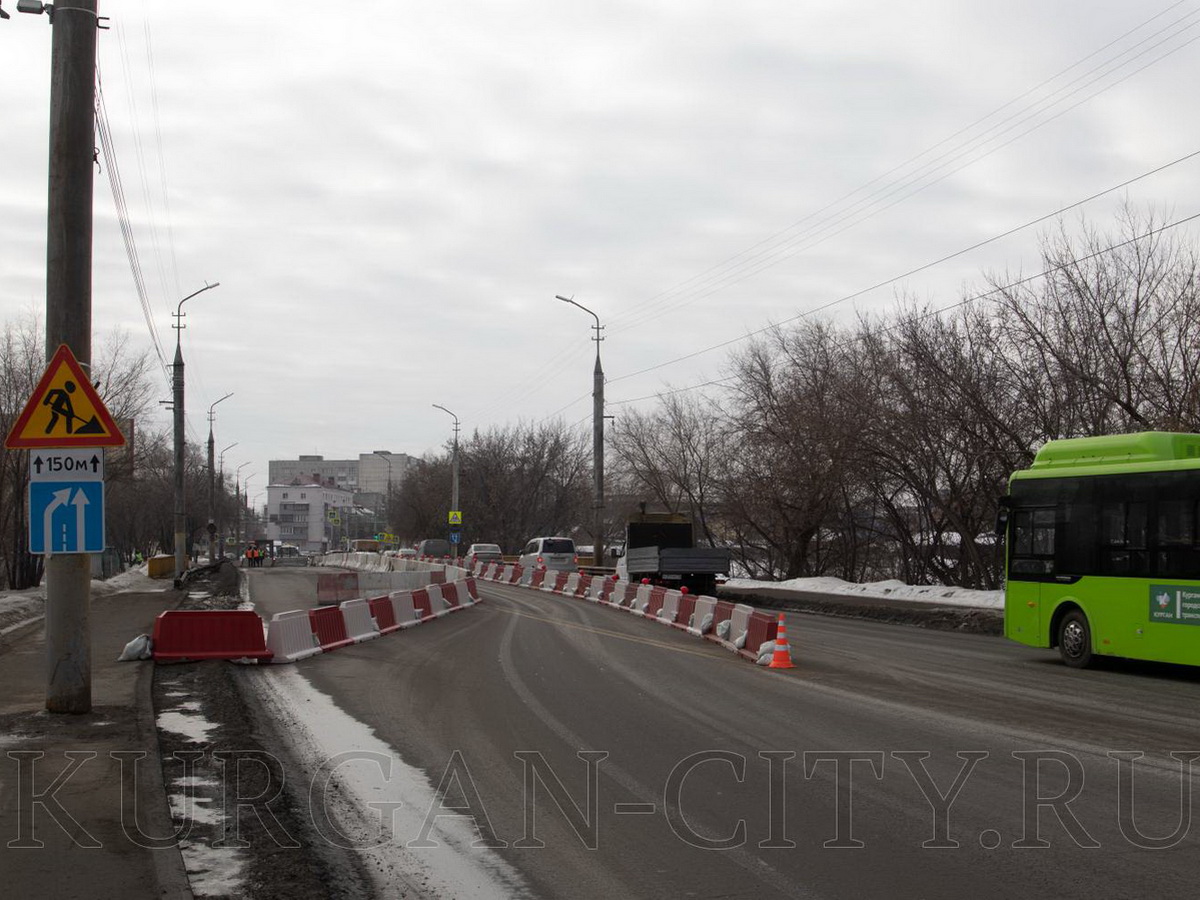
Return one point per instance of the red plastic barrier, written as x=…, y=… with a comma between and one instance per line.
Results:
x=384, y=614
x=722, y=613
x=329, y=627
x=336, y=587
x=183, y=634
x=654, y=604
x=539, y=578
x=762, y=627
x=472, y=589
x=687, y=607
x=516, y=574
x=437, y=577
x=422, y=605
x=450, y=593
x=560, y=581
x=585, y=582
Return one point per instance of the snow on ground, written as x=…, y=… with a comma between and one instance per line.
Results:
x=370, y=780
x=18, y=608
x=935, y=594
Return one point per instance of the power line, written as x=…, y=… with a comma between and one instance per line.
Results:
x=785, y=244
x=916, y=270
x=948, y=307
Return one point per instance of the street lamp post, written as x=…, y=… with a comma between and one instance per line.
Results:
x=237, y=503
x=386, y=457
x=454, y=472
x=177, y=403
x=597, y=436
x=242, y=506
x=212, y=481
x=220, y=520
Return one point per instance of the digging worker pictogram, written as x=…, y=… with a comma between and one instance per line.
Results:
x=59, y=401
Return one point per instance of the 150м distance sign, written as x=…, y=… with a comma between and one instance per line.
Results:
x=66, y=501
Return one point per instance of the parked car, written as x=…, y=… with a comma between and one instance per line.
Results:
x=406, y=553
x=435, y=547
x=550, y=553
x=484, y=553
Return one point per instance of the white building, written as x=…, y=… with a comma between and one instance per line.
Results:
x=307, y=515
x=367, y=475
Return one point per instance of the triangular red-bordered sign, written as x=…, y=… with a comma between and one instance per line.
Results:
x=64, y=411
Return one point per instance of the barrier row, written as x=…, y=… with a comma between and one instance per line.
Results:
x=241, y=635
x=738, y=627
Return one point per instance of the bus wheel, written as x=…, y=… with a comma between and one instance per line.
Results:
x=1075, y=639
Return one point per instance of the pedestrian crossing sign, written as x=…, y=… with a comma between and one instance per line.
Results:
x=64, y=411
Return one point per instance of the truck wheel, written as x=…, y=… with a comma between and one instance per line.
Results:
x=1075, y=640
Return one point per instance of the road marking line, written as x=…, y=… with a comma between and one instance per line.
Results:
x=615, y=634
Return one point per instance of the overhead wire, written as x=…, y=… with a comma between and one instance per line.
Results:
x=117, y=187
x=937, y=311
x=785, y=244
x=921, y=268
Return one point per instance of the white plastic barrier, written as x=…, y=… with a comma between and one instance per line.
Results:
x=706, y=608
x=572, y=583
x=642, y=600
x=437, y=604
x=290, y=636
x=507, y=575
x=670, y=607
x=526, y=576
x=738, y=623
x=360, y=626
x=406, y=613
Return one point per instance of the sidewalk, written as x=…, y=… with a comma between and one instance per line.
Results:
x=74, y=829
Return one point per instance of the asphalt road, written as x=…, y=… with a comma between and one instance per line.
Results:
x=723, y=779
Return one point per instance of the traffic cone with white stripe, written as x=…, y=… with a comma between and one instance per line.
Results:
x=782, y=658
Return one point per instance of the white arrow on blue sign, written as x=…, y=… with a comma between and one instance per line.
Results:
x=66, y=516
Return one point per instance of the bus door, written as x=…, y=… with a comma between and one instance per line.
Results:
x=1030, y=565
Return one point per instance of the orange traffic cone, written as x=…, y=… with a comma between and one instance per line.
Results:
x=782, y=659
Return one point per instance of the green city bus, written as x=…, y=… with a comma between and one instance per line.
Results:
x=1103, y=548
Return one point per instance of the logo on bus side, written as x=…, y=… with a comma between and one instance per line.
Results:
x=1174, y=605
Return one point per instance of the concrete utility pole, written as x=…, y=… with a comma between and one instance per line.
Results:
x=69, y=321
x=454, y=473
x=597, y=437
x=212, y=481
x=177, y=403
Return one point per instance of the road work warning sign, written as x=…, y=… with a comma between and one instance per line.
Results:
x=64, y=411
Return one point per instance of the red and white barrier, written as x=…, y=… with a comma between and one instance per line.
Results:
x=702, y=616
x=290, y=636
x=329, y=627
x=670, y=607
x=384, y=614
x=359, y=624
x=404, y=609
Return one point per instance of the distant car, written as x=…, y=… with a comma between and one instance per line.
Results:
x=435, y=547
x=550, y=553
x=406, y=553
x=484, y=553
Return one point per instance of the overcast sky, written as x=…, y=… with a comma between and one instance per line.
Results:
x=391, y=194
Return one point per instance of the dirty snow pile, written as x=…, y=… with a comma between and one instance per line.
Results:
x=18, y=608
x=935, y=594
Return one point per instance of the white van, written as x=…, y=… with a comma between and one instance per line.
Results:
x=550, y=553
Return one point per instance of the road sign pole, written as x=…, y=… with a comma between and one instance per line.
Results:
x=69, y=320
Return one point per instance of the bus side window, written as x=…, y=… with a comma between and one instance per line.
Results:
x=1123, y=538
x=1175, y=537
x=1033, y=542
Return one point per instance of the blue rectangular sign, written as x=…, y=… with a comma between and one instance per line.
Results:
x=66, y=517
